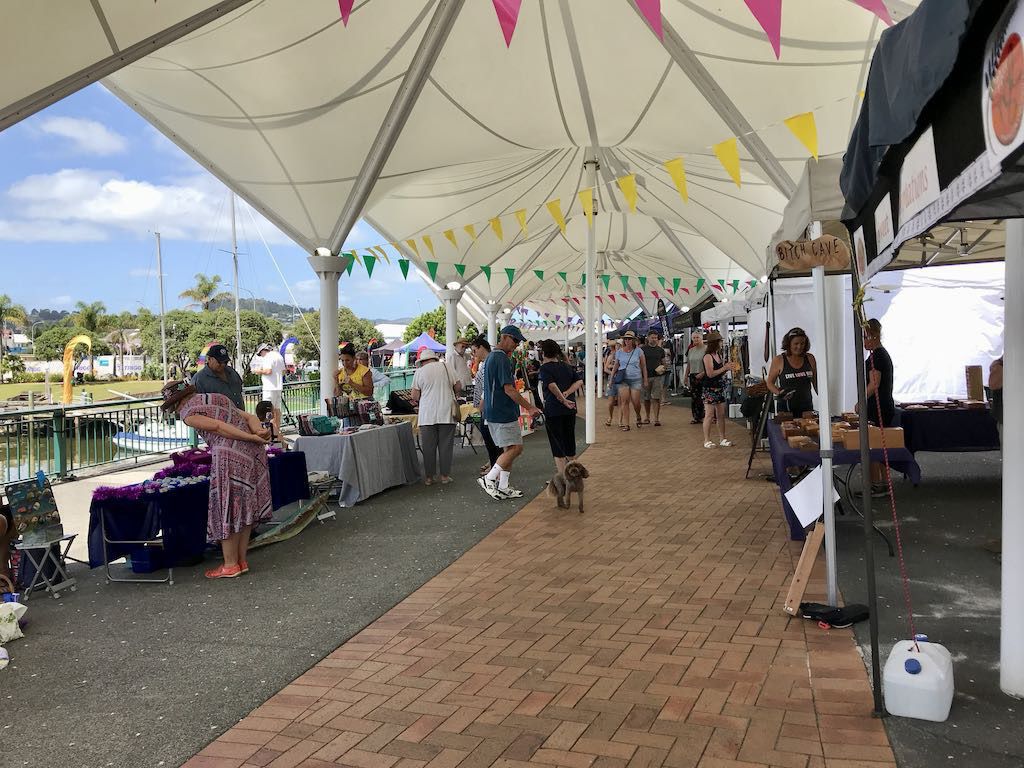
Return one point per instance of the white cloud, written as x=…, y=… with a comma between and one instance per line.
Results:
x=83, y=204
x=307, y=292
x=87, y=136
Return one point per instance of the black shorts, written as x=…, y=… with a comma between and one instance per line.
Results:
x=561, y=434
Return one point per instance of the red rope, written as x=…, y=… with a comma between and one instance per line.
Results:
x=895, y=518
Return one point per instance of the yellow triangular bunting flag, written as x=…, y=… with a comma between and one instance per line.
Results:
x=555, y=209
x=804, y=128
x=587, y=201
x=628, y=186
x=415, y=248
x=383, y=254
x=397, y=249
x=451, y=238
x=430, y=244
x=496, y=226
x=677, y=171
x=470, y=230
x=521, y=218
x=728, y=155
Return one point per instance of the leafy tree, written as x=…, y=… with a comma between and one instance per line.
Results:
x=51, y=342
x=220, y=326
x=120, y=334
x=92, y=317
x=432, y=320
x=351, y=328
x=13, y=365
x=9, y=313
x=470, y=331
x=205, y=292
x=179, y=324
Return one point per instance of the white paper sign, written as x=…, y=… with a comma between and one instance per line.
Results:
x=861, y=250
x=1002, y=99
x=884, y=231
x=805, y=498
x=919, y=177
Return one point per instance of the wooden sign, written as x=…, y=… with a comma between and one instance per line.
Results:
x=801, y=255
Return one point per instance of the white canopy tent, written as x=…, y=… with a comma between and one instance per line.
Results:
x=417, y=117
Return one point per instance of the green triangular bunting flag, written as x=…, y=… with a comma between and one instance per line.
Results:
x=432, y=269
x=662, y=281
x=351, y=263
x=564, y=276
x=369, y=261
x=753, y=283
x=539, y=273
x=461, y=269
x=511, y=272
x=700, y=283
x=643, y=282
x=487, y=272
x=625, y=282
x=403, y=264
x=583, y=279
x=606, y=279
x=735, y=285
x=676, y=281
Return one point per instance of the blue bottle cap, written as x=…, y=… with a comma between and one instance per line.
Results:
x=913, y=666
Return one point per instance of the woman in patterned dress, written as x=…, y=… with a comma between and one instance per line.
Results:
x=239, y=477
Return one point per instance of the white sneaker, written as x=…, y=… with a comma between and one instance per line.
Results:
x=489, y=486
x=509, y=493
x=724, y=443
x=709, y=444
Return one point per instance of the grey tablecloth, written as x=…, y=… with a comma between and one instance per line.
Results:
x=366, y=462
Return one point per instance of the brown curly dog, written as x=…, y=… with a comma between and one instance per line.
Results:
x=562, y=486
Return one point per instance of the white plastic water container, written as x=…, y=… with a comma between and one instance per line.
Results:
x=918, y=683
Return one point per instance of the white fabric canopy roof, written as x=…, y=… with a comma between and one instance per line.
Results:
x=284, y=103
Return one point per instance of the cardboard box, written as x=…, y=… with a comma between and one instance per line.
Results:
x=893, y=438
x=975, y=382
x=792, y=429
x=782, y=417
x=802, y=443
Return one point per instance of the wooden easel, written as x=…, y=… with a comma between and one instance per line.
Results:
x=803, y=569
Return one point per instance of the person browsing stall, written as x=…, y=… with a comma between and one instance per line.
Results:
x=481, y=351
x=455, y=356
x=794, y=373
x=878, y=369
x=630, y=362
x=354, y=379
x=434, y=388
x=502, y=403
x=379, y=379
x=713, y=389
x=239, y=475
x=694, y=373
x=219, y=378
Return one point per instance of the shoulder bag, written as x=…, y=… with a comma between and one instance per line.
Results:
x=620, y=375
x=456, y=410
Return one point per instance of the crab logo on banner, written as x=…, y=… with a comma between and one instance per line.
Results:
x=1002, y=84
x=884, y=234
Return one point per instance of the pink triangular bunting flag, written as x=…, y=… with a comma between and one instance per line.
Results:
x=346, y=10
x=651, y=9
x=878, y=8
x=508, y=15
x=769, y=15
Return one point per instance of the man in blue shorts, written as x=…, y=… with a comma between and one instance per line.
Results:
x=502, y=402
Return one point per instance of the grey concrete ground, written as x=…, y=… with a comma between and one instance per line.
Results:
x=955, y=592
x=133, y=676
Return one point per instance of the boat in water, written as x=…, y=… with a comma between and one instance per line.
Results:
x=154, y=436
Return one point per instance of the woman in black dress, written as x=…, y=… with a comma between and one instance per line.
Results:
x=794, y=373
x=881, y=409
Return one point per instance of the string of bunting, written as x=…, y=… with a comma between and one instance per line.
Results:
x=803, y=127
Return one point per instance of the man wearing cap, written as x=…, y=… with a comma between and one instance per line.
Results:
x=270, y=366
x=219, y=378
x=455, y=356
x=502, y=402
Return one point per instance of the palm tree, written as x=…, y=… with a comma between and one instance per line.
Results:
x=92, y=318
x=9, y=313
x=204, y=293
x=121, y=327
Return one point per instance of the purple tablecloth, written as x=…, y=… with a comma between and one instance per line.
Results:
x=949, y=429
x=181, y=514
x=900, y=459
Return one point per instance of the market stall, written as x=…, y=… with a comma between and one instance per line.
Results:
x=172, y=509
x=366, y=461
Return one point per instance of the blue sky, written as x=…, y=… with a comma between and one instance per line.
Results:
x=83, y=185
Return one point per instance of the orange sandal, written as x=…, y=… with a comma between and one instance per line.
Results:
x=244, y=566
x=224, y=572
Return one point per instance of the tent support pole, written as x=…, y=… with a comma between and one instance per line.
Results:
x=866, y=513
x=450, y=298
x=1011, y=636
x=394, y=121
x=825, y=438
x=328, y=268
x=592, y=359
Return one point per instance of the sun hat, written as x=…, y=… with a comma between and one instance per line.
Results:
x=427, y=354
x=264, y=348
x=629, y=335
x=515, y=333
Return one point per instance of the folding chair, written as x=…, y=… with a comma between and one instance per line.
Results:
x=35, y=513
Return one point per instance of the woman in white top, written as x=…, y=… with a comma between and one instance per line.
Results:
x=434, y=388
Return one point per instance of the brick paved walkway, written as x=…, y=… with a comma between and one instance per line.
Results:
x=646, y=632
